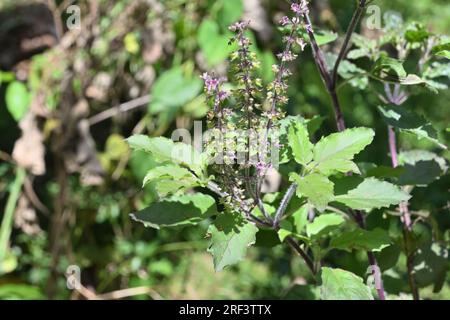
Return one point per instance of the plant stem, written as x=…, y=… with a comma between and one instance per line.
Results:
x=7, y=221
x=302, y=253
x=406, y=219
x=289, y=240
x=354, y=22
x=359, y=217
x=283, y=205
x=330, y=81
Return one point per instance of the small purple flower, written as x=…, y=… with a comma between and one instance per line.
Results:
x=296, y=8
x=309, y=28
x=222, y=95
x=211, y=83
x=239, y=26
x=289, y=39
x=286, y=56
x=300, y=8
x=285, y=21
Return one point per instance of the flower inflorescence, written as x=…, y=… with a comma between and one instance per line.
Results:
x=246, y=109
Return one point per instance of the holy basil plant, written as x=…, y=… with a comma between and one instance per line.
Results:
x=325, y=195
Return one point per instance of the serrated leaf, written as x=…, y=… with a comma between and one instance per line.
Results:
x=177, y=211
x=169, y=179
x=335, y=152
x=359, y=239
x=338, y=284
x=312, y=125
x=302, y=148
x=167, y=172
x=17, y=100
x=323, y=224
x=316, y=187
x=231, y=235
x=412, y=157
x=373, y=194
x=408, y=121
x=164, y=149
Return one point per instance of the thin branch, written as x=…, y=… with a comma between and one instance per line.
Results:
x=318, y=55
x=354, y=22
x=118, y=294
x=124, y=107
x=306, y=258
x=403, y=207
x=284, y=204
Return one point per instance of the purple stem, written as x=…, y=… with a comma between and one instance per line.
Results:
x=330, y=82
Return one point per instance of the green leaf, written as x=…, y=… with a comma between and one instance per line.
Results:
x=322, y=36
x=177, y=211
x=359, y=239
x=431, y=265
x=231, y=235
x=17, y=291
x=167, y=172
x=173, y=89
x=412, y=79
x=116, y=147
x=300, y=218
x=302, y=148
x=443, y=53
x=335, y=152
x=17, y=100
x=441, y=47
x=421, y=173
x=408, y=121
x=230, y=12
x=323, y=224
x=338, y=284
x=389, y=69
x=354, y=74
x=164, y=149
x=213, y=44
x=372, y=194
x=347, y=70
x=412, y=157
x=316, y=187
x=170, y=179
x=416, y=34
x=282, y=133
x=288, y=229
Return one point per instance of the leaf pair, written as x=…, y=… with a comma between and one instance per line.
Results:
x=333, y=154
